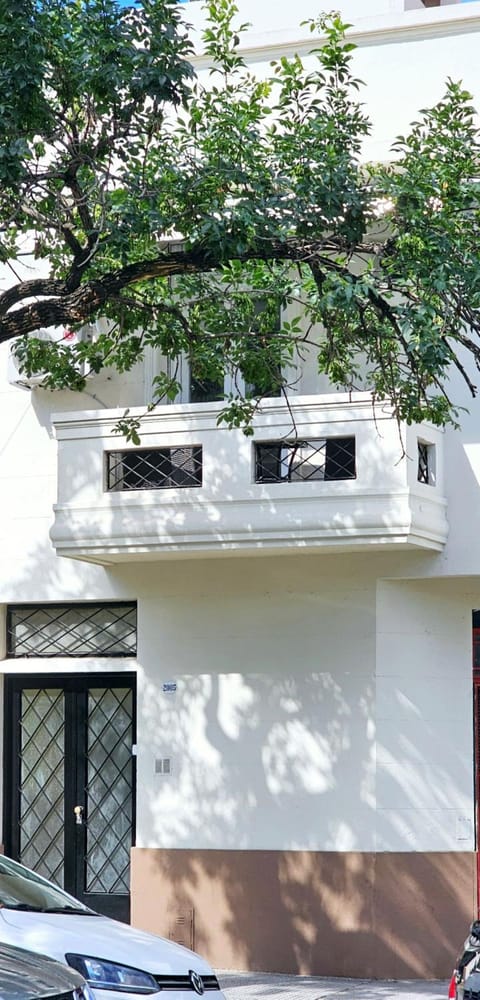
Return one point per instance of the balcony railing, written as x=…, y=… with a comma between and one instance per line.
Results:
x=344, y=477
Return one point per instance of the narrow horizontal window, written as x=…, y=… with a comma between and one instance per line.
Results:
x=154, y=468
x=299, y=461
x=72, y=630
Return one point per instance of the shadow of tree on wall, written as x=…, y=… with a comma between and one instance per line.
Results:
x=289, y=762
x=286, y=924
x=273, y=755
x=299, y=910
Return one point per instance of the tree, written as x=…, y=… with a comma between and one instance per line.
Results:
x=187, y=213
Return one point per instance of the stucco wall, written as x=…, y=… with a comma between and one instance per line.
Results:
x=318, y=705
x=308, y=713
x=318, y=708
x=383, y=916
x=403, y=57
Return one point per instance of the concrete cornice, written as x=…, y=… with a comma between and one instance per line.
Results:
x=369, y=31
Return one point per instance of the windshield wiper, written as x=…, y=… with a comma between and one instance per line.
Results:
x=69, y=909
x=22, y=906
x=48, y=909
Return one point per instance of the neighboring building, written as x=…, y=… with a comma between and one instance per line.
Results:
x=265, y=682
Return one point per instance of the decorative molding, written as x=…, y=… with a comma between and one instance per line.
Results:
x=381, y=29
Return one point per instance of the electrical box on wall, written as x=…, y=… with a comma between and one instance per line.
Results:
x=163, y=765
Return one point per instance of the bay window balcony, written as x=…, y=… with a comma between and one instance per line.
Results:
x=325, y=473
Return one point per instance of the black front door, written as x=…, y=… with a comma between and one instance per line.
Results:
x=69, y=795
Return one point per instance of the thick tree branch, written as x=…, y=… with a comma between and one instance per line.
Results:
x=61, y=304
x=44, y=287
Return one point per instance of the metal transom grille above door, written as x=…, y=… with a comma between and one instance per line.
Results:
x=72, y=629
x=69, y=800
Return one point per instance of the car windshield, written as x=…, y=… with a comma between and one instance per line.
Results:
x=21, y=889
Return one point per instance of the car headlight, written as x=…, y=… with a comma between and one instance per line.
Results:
x=103, y=975
x=84, y=993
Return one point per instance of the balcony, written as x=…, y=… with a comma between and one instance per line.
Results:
x=344, y=477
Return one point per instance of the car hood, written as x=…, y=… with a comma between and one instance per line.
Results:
x=58, y=934
x=24, y=976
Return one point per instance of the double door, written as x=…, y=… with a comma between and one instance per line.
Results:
x=70, y=777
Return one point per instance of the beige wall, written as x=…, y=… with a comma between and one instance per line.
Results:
x=392, y=915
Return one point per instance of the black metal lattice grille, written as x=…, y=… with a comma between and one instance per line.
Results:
x=154, y=468
x=72, y=630
x=109, y=790
x=300, y=461
x=42, y=782
x=423, y=474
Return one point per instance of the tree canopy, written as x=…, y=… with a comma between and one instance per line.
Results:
x=190, y=210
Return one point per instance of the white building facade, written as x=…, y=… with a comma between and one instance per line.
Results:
x=265, y=686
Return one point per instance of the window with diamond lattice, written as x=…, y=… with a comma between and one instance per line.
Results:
x=72, y=630
x=154, y=468
x=426, y=463
x=300, y=461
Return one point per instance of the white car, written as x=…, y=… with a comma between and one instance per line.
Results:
x=114, y=958
x=25, y=976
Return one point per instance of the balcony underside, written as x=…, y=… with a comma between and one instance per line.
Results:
x=146, y=530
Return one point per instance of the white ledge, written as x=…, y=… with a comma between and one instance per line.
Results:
x=259, y=44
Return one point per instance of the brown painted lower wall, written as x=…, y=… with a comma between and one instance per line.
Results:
x=355, y=914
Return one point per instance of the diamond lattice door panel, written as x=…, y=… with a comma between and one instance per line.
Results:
x=70, y=783
x=109, y=790
x=42, y=792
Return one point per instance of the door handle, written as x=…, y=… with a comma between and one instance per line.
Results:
x=78, y=810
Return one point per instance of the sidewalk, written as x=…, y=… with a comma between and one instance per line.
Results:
x=267, y=986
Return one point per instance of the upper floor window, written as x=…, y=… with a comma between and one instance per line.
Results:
x=299, y=461
x=72, y=629
x=266, y=384
x=264, y=375
x=261, y=376
x=204, y=390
